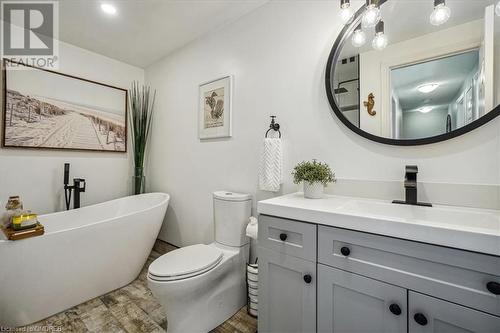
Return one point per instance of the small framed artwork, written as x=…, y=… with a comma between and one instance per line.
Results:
x=215, y=109
x=44, y=109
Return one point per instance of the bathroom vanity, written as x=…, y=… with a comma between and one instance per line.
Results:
x=342, y=264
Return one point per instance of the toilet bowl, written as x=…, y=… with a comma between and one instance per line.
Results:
x=201, y=286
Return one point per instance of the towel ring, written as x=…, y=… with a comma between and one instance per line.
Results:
x=274, y=126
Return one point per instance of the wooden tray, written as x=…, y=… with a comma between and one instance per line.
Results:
x=12, y=234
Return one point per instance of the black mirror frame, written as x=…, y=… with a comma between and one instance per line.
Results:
x=332, y=60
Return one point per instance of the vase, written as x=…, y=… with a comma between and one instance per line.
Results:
x=139, y=180
x=314, y=190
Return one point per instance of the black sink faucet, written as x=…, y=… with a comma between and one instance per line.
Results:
x=78, y=187
x=411, y=188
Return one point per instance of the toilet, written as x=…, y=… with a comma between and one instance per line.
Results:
x=201, y=286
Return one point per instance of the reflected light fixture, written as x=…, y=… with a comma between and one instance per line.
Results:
x=358, y=37
x=425, y=109
x=346, y=11
x=108, y=8
x=497, y=8
x=371, y=16
x=441, y=13
x=380, y=41
x=428, y=88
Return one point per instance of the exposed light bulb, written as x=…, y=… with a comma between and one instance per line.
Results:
x=428, y=88
x=108, y=9
x=380, y=41
x=371, y=16
x=441, y=13
x=346, y=11
x=346, y=15
x=358, y=38
x=497, y=8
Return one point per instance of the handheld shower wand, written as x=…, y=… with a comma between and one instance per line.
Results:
x=67, y=189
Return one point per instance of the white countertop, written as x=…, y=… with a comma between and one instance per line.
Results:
x=469, y=229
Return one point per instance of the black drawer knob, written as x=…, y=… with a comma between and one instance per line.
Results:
x=308, y=278
x=493, y=287
x=345, y=251
x=395, y=309
x=420, y=319
x=283, y=237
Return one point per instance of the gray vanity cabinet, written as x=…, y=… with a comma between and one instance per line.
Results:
x=350, y=303
x=431, y=315
x=370, y=283
x=287, y=293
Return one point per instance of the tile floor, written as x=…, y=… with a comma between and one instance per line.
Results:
x=129, y=309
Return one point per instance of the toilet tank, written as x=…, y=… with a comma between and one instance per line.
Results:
x=231, y=214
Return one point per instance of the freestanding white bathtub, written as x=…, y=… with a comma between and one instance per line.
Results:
x=83, y=254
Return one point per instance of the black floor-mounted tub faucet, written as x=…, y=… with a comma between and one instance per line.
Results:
x=78, y=187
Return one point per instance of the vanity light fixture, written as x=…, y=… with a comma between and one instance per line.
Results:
x=346, y=11
x=441, y=13
x=108, y=8
x=428, y=88
x=358, y=37
x=371, y=16
x=497, y=8
x=380, y=41
x=425, y=109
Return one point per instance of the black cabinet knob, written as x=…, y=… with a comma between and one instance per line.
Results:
x=493, y=287
x=420, y=319
x=283, y=237
x=345, y=251
x=308, y=278
x=395, y=309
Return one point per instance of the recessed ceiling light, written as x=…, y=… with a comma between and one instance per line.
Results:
x=108, y=9
x=425, y=109
x=428, y=88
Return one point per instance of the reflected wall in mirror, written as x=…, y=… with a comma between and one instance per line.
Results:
x=433, y=67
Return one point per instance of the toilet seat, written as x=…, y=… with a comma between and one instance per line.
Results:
x=185, y=262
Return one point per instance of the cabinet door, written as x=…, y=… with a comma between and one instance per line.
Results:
x=431, y=315
x=287, y=293
x=352, y=303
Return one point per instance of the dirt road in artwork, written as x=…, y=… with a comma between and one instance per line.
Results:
x=76, y=132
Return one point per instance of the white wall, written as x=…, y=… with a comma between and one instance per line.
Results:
x=277, y=55
x=37, y=175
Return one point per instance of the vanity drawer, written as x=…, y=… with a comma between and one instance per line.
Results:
x=458, y=276
x=294, y=238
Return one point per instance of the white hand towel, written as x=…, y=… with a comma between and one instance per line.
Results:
x=270, y=173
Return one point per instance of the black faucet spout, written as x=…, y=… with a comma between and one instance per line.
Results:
x=410, y=184
x=78, y=187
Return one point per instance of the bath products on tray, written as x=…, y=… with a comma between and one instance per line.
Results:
x=24, y=221
x=13, y=208
x=18, y=223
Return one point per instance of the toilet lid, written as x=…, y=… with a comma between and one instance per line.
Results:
x=185, y=262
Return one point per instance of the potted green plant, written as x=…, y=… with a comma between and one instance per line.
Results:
x=141, y=114
x=315, y=176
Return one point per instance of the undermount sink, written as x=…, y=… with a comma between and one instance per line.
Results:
x=479, y=220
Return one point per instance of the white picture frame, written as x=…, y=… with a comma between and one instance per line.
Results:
x=215, y=109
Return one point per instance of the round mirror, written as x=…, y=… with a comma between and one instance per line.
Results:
x=416, y=72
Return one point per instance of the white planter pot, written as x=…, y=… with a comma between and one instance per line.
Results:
x=314, y=190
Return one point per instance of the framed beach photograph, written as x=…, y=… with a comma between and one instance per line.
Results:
x=215, y=109
x=50, y=110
